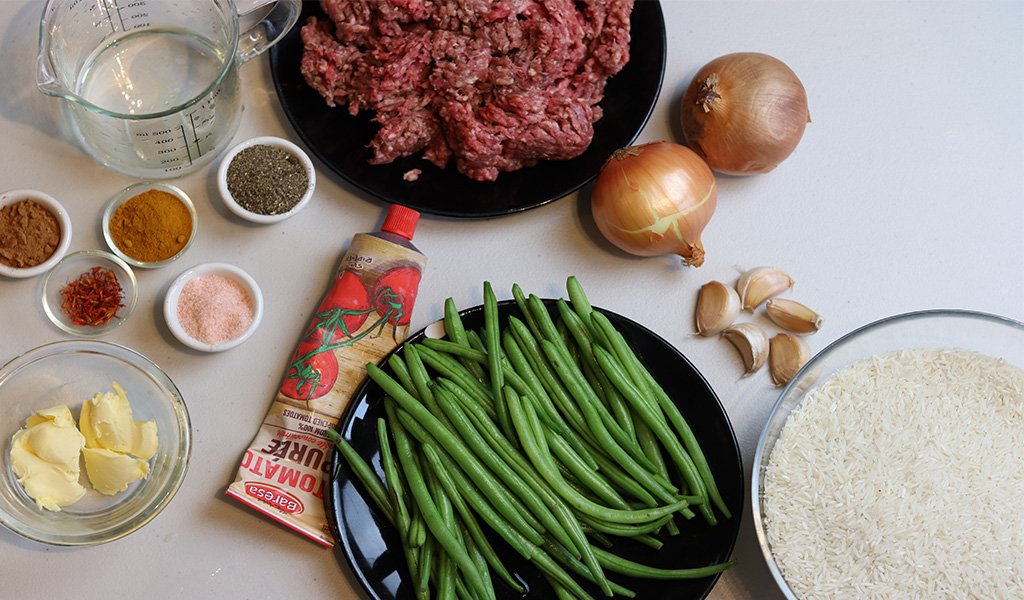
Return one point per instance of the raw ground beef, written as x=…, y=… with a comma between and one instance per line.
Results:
x=495, y=84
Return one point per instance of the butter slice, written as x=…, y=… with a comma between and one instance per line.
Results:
x=107, y=421
x=112, y=472
x=144, y=439
x=45, y=458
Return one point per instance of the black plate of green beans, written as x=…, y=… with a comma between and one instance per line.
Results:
x=369, y=543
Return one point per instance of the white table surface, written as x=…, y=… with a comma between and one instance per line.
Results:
x=906, y=193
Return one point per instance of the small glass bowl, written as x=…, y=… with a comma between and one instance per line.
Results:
x=214, y=268
x=236, y=208
x=69, y=372
x=130, y=192
x=63, y=220
x=68, y=270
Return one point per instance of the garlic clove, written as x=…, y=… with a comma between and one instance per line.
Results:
x=786, y=354
x=759, y=284
x=718, y=305
x=793, y=316
x=752, y=343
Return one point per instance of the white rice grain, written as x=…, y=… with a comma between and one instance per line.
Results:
x=902, y=476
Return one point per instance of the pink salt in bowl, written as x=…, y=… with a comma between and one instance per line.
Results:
x=212, y=307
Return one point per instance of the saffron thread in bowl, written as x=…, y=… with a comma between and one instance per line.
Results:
x=214, y=309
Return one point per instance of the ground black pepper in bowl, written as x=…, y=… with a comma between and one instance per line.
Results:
x=266, y=180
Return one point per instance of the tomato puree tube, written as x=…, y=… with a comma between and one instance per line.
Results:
x=364, y=314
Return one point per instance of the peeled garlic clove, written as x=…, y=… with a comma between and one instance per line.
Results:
x=759, y=284
x=752, y=343
x=786, y=354
x=718, y=305
x=791, y=315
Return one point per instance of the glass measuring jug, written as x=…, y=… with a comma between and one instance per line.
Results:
x=152, y=85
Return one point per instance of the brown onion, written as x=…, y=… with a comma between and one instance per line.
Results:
x=655, y=199
x=744, y=113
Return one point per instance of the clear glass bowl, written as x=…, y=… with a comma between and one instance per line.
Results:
x=69, y=372
x=69, y=269
x=129, y=193
x=987, y=334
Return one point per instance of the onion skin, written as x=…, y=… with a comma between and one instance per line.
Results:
x=744, y=113
x=655, y=199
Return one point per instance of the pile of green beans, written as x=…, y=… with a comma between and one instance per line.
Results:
x=551, y=433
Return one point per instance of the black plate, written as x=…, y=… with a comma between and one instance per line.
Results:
x=340, y=140
x=371, y=547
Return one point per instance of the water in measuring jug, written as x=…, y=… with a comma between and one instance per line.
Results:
x=150, y=72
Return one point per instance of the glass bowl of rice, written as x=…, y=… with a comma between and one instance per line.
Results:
x=892, y=465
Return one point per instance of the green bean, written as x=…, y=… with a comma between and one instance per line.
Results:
x=453, y=369
x=491, y=487
x=364, y=473
x=446, y=578
x=535, y=357
x=469, y=520
x=492, y=342
x=524, y=418
x=574, y=537
x=624, y=529
x=649, y=444
x=626, y=484
x=458, y=350
x=690, y=441
x=652, y=417
x=524, y=309
x=592, y=408
x=463, y=396
x=480, y=560
x=611, y=437
x=499, y=466
x=419, y=377
x=401, y=371
x=538, y=393
x=396, y=491
x=488, y=514
x=445, y=537
x=658, y=426
x=426, y=565
x=671, y=411
x=584, y=340
x=445, y=575
x=457, y=333
x=582, y=471
x=510, y=375
x=579, y=300
x=622, y=566
x=576, y=565
x=417, y=528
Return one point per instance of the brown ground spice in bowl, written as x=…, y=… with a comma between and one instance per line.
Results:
x=29, y=234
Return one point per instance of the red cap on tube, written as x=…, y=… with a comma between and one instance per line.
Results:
x=401, y=220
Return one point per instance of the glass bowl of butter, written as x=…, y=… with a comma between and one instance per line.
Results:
x=95, y=441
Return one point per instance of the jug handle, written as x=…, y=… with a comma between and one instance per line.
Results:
x=270, y=29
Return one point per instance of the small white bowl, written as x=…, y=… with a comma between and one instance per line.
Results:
x=214, y=268
x=58, y=211
x=236, y=208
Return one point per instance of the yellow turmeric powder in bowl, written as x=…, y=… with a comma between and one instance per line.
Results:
x=149, y=224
